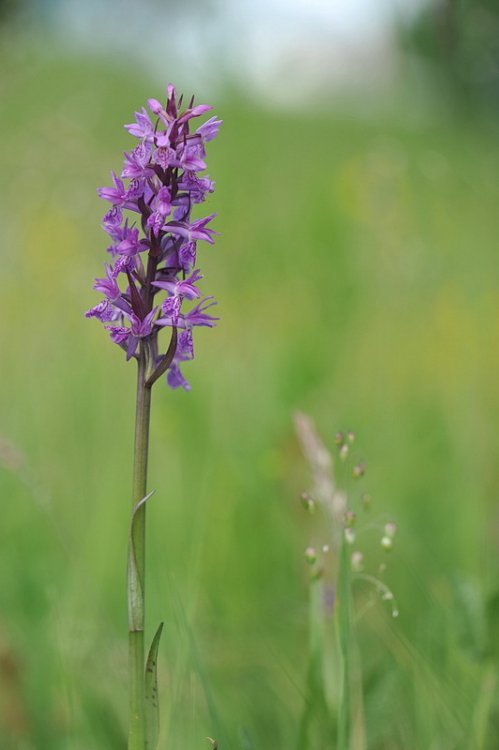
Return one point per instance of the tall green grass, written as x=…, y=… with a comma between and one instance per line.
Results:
x=357, y=280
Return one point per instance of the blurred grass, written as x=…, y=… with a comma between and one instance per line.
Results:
x=357, y=280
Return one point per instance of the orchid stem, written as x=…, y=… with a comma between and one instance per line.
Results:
x=137, y=728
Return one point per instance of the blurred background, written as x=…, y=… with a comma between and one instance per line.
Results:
x=357, y=279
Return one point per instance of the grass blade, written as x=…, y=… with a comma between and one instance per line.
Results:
x=151, y=693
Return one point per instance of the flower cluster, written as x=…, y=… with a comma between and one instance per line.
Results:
x=338, y=521
x=154, y=239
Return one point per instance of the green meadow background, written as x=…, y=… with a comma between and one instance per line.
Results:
x=357, y=280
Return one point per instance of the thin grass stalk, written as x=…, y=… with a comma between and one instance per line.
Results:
x=314, y=697
x=137, y=725
x=344, y=638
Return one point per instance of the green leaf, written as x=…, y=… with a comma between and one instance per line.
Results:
x=151, y=693
x=135, y=584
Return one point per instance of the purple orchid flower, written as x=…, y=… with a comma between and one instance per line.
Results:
x=125, y=263
x=111, y=223
x=187, y=255
x=162, y=206
x=209, y=130
x=190, y=158
x=195, y=231
x=104, y=311
x=130, y=337
x=183, y=287
x=197, y=188
x=142, y=127
x=171, y=308
x=141, y=328
x=185, y=347
x=108, y=286
x=200, y=109
x=157, y=252
x=175, y=379
x=117, y=195
x=158, y=110
x=137, y=162
x=196, y=317
x=131, y=244
x=119, y=334
x=164, y=156
x=184, y=352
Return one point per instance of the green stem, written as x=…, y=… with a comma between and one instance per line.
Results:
x=136, y=736
x=315, y=700
x=344, y=637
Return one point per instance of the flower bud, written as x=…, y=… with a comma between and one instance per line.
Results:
x=387, y=543
x=339, y=438
x=349, y=536
x=366, y=501
x=344, y=452
x=316, y=573
x=351, y=437
x=358, y=470
x=307, y=502
x=310, y=555
x=350, y=518
x=357, y=561
x=154, y=106
x=390, y=530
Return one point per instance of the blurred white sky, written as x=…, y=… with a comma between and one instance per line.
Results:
x=348, y=17
x=273, y=46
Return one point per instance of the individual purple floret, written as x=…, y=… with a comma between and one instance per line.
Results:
x=154, y=238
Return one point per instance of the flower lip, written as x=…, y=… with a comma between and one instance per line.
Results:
x=186, y=287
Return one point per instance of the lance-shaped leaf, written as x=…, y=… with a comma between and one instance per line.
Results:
x=151, y=693
x=135, y=584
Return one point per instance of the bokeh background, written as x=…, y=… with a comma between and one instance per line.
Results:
x=357, y=279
